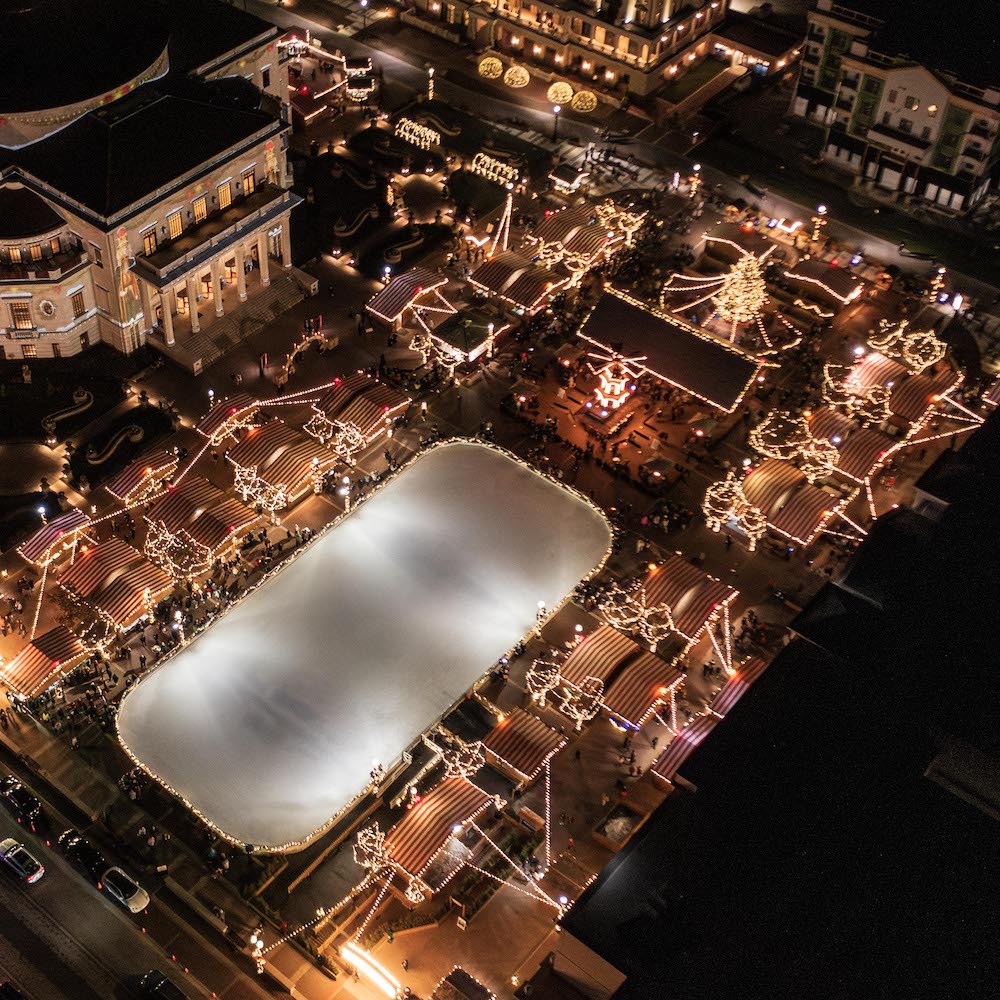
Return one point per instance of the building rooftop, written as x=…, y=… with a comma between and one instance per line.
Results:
x=753, y=33
x=111, y=158
x=24, y=214
x=59, y=52
x=958, y=38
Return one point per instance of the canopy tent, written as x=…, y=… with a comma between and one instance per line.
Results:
x=333, y=401
x=417, y=839
x=459, y=985
x=226, y=520
x=827, y=283
x=793, y=507
x=644, y=683
x=914, y=398
x=133, y=594
x=517, y=279
x=261, y=445
x=577, y=230
x=184, y=503
x=598, y=655
x=142, y=476
x=282, y=456
x=520, y=745
x=51, y=540
x=227, y=416
x=43, y=660
x=390, y=303
x=373, y=408
x=694, y=598
x=96, y=567
x=738, y=685
x=714, y=371
x=683, y=745
x=729, y=241
x=860, y=450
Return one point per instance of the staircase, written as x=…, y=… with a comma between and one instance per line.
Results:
x=203, y=349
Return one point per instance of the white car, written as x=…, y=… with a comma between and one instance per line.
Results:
x=17, y=857
x=125, y=890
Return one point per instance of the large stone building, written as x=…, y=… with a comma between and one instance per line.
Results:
x=142, y=171
x=624, y=46
x=909, y=95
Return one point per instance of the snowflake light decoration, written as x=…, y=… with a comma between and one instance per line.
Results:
x=725, y=501
x=417, y=891
x=370, y=849
x=176, y=552
x=541, y=678
x=257, y=493
x=917, y=349
x=463, y=760
x=581, y=703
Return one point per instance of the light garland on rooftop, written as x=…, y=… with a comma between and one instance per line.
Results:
x=725, y=501
x=416, y=134
x=867, y=404
x=581, y=702
x=917, y=349
x=788, y=437
x=542, y=677
x=257, y=493
x=177, y=553
x=629, y=610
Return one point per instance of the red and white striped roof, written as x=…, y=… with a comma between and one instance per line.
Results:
x=917, y=394
x=992, y=395
x=133, y=593
x=369, y=411
x=598, y=655
x=295, y=466
x=418, y=837
x=214, y=422
x=524, y=743
x=793, y=507
x=46, y=658
x=333, y=401
x=644, y=682
x=94, y=569
x=861, y=450
x=683, y=745
x=694, y=597
x=738, y=685
x=402, y=291
x=216, y=527
x=261, y=445
x=141, y=473
x=875, y=369
x=181, y=504
x=41, y=546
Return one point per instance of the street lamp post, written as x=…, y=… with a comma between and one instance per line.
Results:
x=818, y=221
x=555, y=122
x=364, y=14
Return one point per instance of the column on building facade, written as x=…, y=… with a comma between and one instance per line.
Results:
x=192, y=290
x=217, y=287
x=167, y=310
x=241, y=274
x=265, y=273
x=286, y=245
x=147, y=306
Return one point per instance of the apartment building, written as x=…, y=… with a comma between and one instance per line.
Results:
x=909, y=96
x=142, y=170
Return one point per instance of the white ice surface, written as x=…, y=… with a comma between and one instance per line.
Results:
x=268, y=723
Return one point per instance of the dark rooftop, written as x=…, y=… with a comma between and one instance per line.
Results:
x=111, y=158
x=697, y=364
x=59, y=52
x=24, y=214
x=203, y=31
x=756, y=34
x=960, y=38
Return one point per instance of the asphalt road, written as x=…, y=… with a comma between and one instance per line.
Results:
x=62, y=938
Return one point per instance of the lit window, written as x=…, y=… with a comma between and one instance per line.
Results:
x=932, y=109
x=249, y=181
x=79, y=306
x=35, y=251
x=98, y=256
x=200, y=209
x=13, y=254
x=149, y=240
x=29, y=351
x=174, y=225
x=20, y=315
x=55, y=245
x=515, y=39
x=225, y=194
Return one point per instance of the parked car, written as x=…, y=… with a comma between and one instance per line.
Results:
x=20, y=860
x=24, y=806
x=156, y=984
x=82, y=854
x=125, y=890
